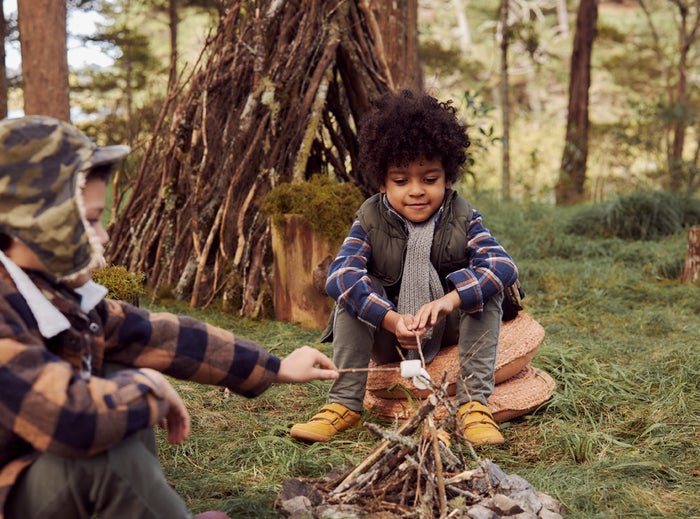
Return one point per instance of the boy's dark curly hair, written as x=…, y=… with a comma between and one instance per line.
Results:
x=406, y=126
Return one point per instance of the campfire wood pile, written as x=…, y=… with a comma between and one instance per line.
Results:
x=419, y=471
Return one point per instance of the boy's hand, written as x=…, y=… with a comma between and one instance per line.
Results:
x=400, y=325
x=305, y=364
x=177, y=420
x=431, y=313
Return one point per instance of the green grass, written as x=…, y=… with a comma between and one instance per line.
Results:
x=619, y=438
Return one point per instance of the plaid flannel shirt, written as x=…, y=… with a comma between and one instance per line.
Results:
x=490, y=271
x=46, y=405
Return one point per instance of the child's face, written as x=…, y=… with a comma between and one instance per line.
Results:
x=94, y=198
x=416, y=190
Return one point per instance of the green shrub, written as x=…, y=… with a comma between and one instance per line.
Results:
x=328, y=206
x=121, y=284
x=638, y=216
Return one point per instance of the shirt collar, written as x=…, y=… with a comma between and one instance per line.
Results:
x=49, y=319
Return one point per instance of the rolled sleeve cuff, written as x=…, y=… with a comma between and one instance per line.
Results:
x=374, y=311
x=469, y=291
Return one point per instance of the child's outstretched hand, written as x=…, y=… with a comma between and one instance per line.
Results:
x=305, y=364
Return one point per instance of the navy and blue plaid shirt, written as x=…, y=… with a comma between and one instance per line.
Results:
x=490, y=271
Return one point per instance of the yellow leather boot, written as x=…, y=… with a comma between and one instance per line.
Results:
x=330, y=420
x=478, y=425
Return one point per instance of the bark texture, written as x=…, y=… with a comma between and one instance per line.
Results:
x=42, y=36
x=572, y=174
x=691, y=268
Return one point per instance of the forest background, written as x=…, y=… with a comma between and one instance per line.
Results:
x=619, y=438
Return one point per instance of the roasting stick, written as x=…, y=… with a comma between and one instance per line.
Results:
x=361, y=370
x=385, y=368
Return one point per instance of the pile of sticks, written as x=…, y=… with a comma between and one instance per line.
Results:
x=417, y=472
x=414, y=468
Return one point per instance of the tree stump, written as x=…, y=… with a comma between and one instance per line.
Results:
x=297, y=251
x=691, y=269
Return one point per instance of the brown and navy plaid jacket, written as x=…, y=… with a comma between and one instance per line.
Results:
x=47, y=405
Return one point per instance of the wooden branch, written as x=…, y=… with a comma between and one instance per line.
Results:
x=232, y=130
x=362, y=370
x=409, y=427
x=438, y=467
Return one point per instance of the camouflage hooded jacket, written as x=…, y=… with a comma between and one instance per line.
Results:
x=53, y=395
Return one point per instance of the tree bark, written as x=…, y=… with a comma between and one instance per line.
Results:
x=687, y=34
x=691, y=269
x=505, y=101
x=173, y=24
x=3, y=66
x=572, y=173
x=42, y=36
x=398, y=33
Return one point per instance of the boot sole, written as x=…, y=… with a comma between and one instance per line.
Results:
x=495, y=441
x=308, y=436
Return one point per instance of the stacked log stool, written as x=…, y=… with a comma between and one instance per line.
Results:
x=520, y=387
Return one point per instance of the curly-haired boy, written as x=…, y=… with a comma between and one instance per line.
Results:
x=417, y=269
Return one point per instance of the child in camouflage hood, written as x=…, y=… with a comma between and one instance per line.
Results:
x=75, y=433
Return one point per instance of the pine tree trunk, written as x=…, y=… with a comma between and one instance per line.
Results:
x=397, y=24
x=572, y=173
x=3, y=68
x=691, y=269
x=42, y=36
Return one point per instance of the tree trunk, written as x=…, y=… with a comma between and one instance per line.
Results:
x=3, y=67
x=42, y=36
x=465, y=38
x=397, y=23
x=298, y=253
x=687, y=37
x=505, y=101
x=691, y=269
x=572, y=173
x=173, y=23
x=562, y=18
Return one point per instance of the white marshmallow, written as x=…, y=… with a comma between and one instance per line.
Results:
x=410, y=368
x=422, y=380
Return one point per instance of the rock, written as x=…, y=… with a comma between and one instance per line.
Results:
x=550, y=504
x=522, y=492
x=481, y=512
x=299, y=507
x=339, y=512
x=293, y=487
x=504, y=505
x=548, y=514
